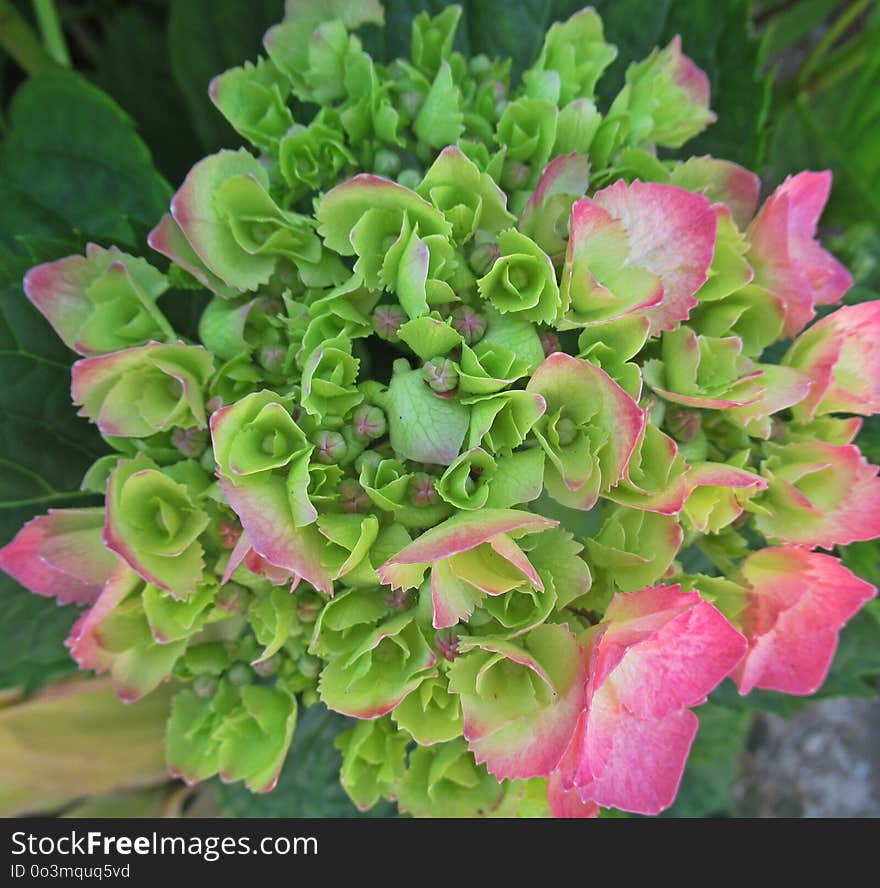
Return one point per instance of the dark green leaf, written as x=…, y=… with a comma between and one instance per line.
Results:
x=134, y=68
x=73, y=163
x=205, y=38
x=714, y=762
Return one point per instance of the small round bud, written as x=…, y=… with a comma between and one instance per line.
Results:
x=549, y=342
x=469, y=324
x=309, y=666
x=308, y=606
x=423, y=489
x=396, y=599
x=367, y=459
x=272, y=358
x=233, y=598
x=566, y=430
x=777, y=428
x=514, y=175
x=440, y=374
x=240, y=674
x=190, y=442
x=387, y=320
x=386, y=163
x=268, y=667
x=352, y=497
x=368, y=423
x=446, y=642
x=214, y=404
x=482, y=258
x=479, y=65
x=330, y=447
x=409, y=179
x=410, y=102
x=229, y=533
x=683, y=424
x=204, y=685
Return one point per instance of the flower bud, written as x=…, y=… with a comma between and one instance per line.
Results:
x=268, y=667
x=387, y=320
x=368, y=423
x=440, y=374
x=308, y=606
x=330, y=447
x=240, y=674
x=204, y=685
x=566, y=430
x=423, y=489
x=397, y=599
x=272, y=358
x=469, y=324
x=682, y=424
x=446, y=642
x=190, y=442
x=549, y=342
x=352, y=497
x=409, y=179
x=386, y=163
x=369, y=458
x=483, y=257
x=309, y=666
x=233, y=598
x=514, y=175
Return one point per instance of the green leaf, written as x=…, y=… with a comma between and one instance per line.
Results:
x=714, y=763
x=73, y=161
x=133, y=67
x=205, y=37
x=309, y=783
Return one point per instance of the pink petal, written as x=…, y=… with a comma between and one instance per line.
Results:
x=566, y=803
x=61, y=555
x=798, y=602
x=672, y=234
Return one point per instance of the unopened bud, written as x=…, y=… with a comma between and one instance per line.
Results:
x=330, y=447
x=387, y=320
x=410, y=179
x=682, y=424
x=386, y=163
x=272, y=358
x=204, y=685
x=309, y=666
x=446, y=642
x=268, y=667
x=549, y=342
x=368, y=423
x=482, y=258
x=396, y=599
x=440, y=374
x=423, y=489
x=469, y=324
x=190, y=442
x=514, y=175
x=240, y=674
x=566, y=430
x=233, y=598
x=352, y=497
x=368, y=459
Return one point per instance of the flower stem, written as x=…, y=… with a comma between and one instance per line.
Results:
x=53, y=34
x=19, y=41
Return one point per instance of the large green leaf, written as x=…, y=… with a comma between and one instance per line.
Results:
x=309, y=784
x=833, y=121
x=72, y=167
x=205, y=37
x=714, y=762
x=134, y=68
x=74, y=161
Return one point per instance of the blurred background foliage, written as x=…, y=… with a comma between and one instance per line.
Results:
x=104, y=108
